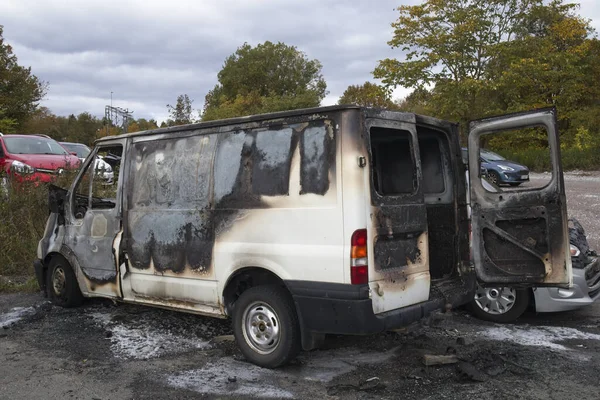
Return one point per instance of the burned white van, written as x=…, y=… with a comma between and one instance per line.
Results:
x=333, y=220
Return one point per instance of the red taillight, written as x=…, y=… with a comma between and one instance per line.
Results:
x=359, y=275
x=359, y=270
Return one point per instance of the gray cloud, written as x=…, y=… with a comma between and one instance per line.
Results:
x=148, y=52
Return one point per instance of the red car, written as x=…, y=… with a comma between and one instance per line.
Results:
x=34, y=158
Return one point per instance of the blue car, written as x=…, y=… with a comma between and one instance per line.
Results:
x=499, y=170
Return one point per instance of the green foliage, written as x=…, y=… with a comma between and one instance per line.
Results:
x=83, y=128
x=266, y=78
x=368, y=95
x=23, y=214
x=20, y=90
x=7, y=125
x=538, y=160
x=469, y=59
x=181, y=113
x=142, y=124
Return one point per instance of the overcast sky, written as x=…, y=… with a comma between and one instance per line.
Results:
x=149, y=51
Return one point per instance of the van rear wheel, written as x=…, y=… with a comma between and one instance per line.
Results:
x=61, y=283
x=265, y=325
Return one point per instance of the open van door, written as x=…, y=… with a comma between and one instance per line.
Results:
x=399, y=268
x=520, y=237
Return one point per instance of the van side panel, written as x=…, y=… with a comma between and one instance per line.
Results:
x=355, y=198
x=277, y=190
x=204, y=204
x=169, y=233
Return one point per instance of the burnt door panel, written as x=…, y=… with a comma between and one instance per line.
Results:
x=95, y=220
x=397, y=217
x=520, y=236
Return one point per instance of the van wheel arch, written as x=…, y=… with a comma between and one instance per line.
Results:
x=246, y=278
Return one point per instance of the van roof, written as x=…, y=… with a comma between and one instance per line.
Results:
x=230, y=121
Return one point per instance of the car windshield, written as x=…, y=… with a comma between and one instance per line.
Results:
x=491, y=156
x=81, y=149
x=33, y=145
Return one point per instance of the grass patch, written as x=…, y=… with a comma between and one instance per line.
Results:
x=23, y=214
x=27, y=284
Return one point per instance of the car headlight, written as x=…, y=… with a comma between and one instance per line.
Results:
x=575, y=251
x=505, y=168
x=21, y=168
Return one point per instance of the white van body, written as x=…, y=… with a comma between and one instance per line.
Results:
x=353, y=220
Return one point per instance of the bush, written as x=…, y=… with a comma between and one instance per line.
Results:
x=538, y=160
x=23, y=215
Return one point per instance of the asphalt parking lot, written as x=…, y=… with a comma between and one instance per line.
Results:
x=117, y=351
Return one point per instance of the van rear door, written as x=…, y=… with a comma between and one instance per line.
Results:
x=520, y=237
x=397, y=217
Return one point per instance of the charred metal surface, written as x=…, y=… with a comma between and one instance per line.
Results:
x=94, y=276
x=169, y=217
x=441, y=226
x=56, y=199
x=398, y=229
x=396, y=251
x=520, y=236
x=177, y=210
x=317, y=149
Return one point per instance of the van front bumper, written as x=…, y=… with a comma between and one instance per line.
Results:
x=334, y=308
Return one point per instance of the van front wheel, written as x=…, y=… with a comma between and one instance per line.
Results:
x=61, y=283
x=265, y=325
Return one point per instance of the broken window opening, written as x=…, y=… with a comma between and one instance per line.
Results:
x=394, y=169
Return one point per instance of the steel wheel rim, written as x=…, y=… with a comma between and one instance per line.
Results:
x=261, y=328
x=58, y=280
x=495, y=300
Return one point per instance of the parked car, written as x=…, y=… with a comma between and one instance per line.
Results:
x=499, y=170
x=35, y=158
x=297, y=224
x=506, y=304
x=80, y=149
x=103, y=168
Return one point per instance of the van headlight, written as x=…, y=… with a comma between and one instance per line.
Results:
x=575, y=252
x=21, y=168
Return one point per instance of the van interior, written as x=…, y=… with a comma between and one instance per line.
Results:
x=395, y=174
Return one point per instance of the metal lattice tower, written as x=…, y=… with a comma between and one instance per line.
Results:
x=117, y=116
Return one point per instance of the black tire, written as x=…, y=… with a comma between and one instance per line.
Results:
x=522, y=301
x=68, y=293
x=271, y=299
x=515, y=184
x=494, y=177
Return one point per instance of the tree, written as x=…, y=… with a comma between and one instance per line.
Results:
x=181, y=113
x=20, y=90
x=266, y=78
x=368, y=95
x=448, y=45
x=469, y=59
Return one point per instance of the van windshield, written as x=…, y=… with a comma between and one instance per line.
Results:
x=394, y=171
